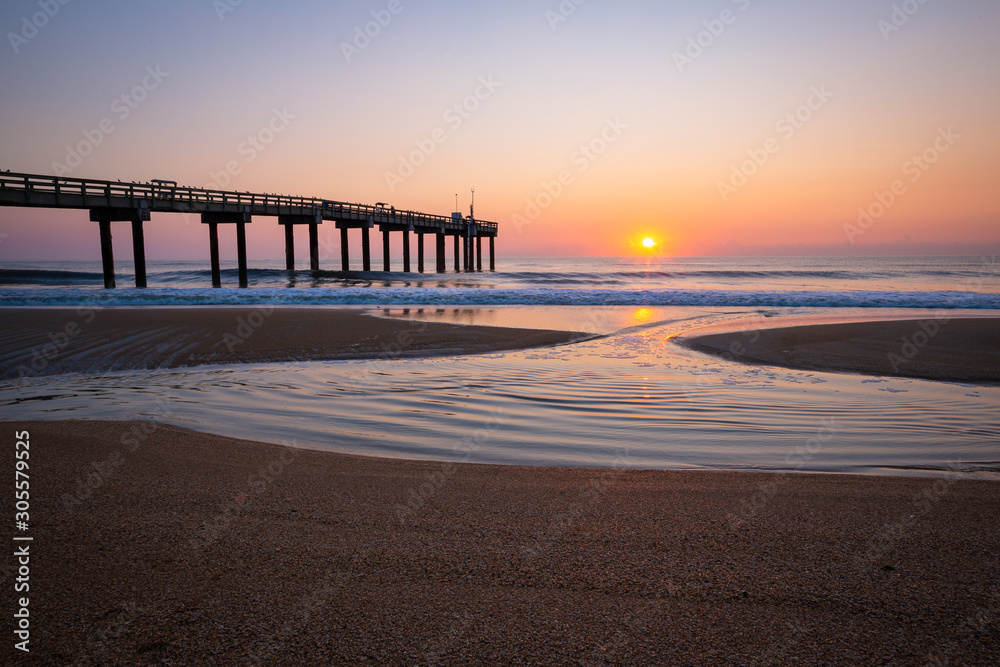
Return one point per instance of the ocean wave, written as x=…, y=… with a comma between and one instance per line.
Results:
x=472, y=296
x=570, y=275
x=48, y=277
x=188, y=275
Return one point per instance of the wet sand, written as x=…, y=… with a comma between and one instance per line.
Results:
x=156, y=545
x=43, y=341
x=961, y=350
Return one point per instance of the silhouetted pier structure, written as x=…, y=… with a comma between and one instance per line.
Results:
x=110, y=201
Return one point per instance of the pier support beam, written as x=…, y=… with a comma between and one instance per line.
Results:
x=366, y=250
x=313, y=246
x=139, y=253
x=439, y=252
x=385, y=250
x=241, y=252
x=406, y=251
x=457, y=265
x=493, y=266
x=345, y=251
x=213, y=249
x=289, y=248
x=313, y=220
x=479, y=253
x=241, y=219
x=104, y=216
x=107, y=254
x=420, y=252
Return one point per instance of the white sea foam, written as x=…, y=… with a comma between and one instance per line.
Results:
x=453, y=296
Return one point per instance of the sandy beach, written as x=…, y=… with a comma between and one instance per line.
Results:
x=47, y=341
x=158, y=545
x=961, y=350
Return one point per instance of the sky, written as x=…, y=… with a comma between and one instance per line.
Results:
x=726, y=127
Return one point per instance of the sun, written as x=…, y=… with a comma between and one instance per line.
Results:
x=648, y=243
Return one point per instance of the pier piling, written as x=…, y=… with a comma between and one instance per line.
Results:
x=406, y=251
x=289, y=248
x=107, y=254
x=241, y=252
x=366, y=250
x=420, y=252
x=213, y=249
x=467, y=248
x=241, y=219
x=104, y=216
x=385, y=250
x=288, y=221
x=345, y=251
x=313, y=246
x=139, y=253
x=440, y=253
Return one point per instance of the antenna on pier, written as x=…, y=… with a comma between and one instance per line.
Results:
x=472, y=206
x=456, y=201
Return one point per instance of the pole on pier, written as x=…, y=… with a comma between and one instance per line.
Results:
x=213, y=249
x=139, y=253
x=420, y=252
x=493, y=266
x=289, y=248
x=366, y=250
x=385, y=250
x=107, y=254
x=314, y=246
x=406, y=251
x=456, y=253
x=345, y=256
x=241, y=252
x=479, y=253
x=439, y=252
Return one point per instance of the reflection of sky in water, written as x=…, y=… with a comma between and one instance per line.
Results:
x=632, y=397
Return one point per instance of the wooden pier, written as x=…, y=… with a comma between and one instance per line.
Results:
x=111, y=201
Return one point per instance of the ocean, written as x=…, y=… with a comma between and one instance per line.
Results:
x=868, y=282
x=628, y=397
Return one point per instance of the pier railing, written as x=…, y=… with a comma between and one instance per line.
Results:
x=17, y=189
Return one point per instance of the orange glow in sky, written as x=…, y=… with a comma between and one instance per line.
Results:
x=798, y=129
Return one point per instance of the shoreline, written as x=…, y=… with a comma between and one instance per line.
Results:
x=236, y=551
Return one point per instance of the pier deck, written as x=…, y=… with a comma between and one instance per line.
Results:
x=115, y=201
